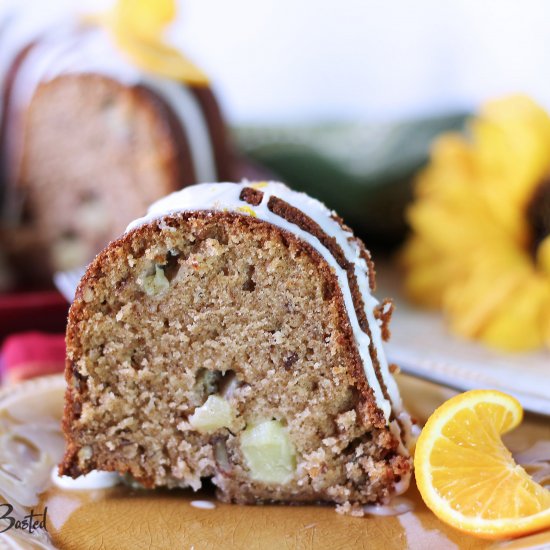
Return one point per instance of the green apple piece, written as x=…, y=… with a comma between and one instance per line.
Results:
x=216, y=413
x=156, y=283
x=268, y=452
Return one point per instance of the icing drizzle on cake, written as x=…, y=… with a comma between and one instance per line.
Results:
x=315, y=224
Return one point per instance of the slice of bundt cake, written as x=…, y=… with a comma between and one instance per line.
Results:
x=89, y=140
x=231, y=334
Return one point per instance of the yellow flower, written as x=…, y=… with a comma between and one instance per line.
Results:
x=480, y=243
x=137, y=27
x=144, y=18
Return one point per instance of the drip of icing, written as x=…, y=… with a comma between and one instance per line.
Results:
x=226, y=197
x=397, y=507
x=203, y=504
x=67, y=49
x=92, y=480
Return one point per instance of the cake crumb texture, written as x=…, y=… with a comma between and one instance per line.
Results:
x=224, y=315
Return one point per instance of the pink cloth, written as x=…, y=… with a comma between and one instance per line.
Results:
x=30, y=354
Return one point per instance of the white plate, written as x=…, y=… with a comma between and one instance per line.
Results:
x=422, y=346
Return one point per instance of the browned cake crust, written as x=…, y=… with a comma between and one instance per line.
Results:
x=249, y=301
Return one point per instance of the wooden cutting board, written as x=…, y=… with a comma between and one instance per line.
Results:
x=140, y=520
x=122, y=518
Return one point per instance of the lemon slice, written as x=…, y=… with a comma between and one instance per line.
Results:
x=466, y=475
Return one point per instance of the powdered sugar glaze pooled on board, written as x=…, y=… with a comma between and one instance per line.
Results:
x=93, y=480
x=226, y=197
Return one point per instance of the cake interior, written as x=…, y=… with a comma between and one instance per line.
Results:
x=217, y=346
x=96, y=153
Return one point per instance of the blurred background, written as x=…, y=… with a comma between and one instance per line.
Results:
x=343, y=100
x=363, y=60
x=280, y=61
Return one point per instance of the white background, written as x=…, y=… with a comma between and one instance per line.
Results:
x=311, y=60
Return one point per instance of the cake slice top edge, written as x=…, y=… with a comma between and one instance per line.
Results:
x=311, y=221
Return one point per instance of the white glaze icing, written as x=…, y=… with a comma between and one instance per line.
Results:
x=90, y=481
x=396, y=507
x=68, y=49
x=226, y=197
x=203, y=504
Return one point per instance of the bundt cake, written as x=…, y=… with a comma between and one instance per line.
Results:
x=89, y=140
x=231, y=334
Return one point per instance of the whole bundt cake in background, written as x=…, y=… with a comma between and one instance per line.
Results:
x=231, y=334
x=89, y=139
